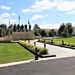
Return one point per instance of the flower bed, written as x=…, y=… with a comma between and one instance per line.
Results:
x=41, y=51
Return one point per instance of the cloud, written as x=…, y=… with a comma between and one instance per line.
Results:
x=47, y=25
x=66, y=5
x=11, y=2
x=4, y=15
x=12, y=21
x=47, y=15
x=26, y=10
x=71, y=12
x=73, y=23
x=35, y=17
x=42, y=5
x=13, y=14
x=5, y=7
x=45, y=22
x=4, y=19
x=39, y=6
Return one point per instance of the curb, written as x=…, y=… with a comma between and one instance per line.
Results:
x=29, y=61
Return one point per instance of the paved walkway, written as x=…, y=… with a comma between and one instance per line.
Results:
x=58, y=51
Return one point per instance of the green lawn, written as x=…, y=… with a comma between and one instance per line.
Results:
x=70, y=40
x=10, y=52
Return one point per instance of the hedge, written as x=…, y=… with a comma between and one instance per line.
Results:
x=31, y=47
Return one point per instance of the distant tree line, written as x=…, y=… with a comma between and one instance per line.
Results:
x=42, y=32
x=19, y=28
x=65, y=30
x=4, y=30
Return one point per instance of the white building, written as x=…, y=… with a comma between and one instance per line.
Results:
x=73, y=31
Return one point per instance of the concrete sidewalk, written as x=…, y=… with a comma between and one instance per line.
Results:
x=55, y=50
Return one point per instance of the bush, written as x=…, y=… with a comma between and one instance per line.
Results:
x=31, y=47
x=68, y=44
x=72, y=45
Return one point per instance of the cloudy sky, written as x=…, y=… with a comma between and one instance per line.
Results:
x=46, y=13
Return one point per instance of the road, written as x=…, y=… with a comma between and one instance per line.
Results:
x=63, y=66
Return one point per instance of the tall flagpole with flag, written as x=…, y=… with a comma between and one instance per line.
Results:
x=28, y=22
x=9, y=22
x=29, y=25
x=19, y=19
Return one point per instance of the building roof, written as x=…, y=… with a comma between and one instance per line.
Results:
x=47, y=30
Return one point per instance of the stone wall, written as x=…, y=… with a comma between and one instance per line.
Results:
x=37, y=37
x=6, y=38
x=23, y=36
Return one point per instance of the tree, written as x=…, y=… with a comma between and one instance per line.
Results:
x=36, y=33
x=69, y=28
x=4, y=32
x=8, y=32
x=18, y=27
x=36, y=27
x=11, y=26
x=65, y=30
x=61, y=29
x=64, y=33
x=1, y=32
x=37, y=30
x=29, y=27
x=14, y=28
x=26, y=27
x=3, y=26
x=52, y=33
x=22, y=28
x=43, y=33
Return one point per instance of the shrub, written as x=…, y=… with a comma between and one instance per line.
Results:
x=72, y=45
x=68, y=44
x=31, y=47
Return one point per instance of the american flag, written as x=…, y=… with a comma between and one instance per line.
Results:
x=19, y=17
x=28, y=22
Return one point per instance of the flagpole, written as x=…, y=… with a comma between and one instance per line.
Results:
x=9, y=22
x=19, y=19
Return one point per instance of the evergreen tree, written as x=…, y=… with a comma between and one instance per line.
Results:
x=69, y=28
x=22, y=28
x=37, y=30
x=14, y=28
x=26, y=27
x=18, y=28
x=61, y=29
x=43, y=33
x=52, y=33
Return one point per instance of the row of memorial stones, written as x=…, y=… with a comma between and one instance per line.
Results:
x=18, y=28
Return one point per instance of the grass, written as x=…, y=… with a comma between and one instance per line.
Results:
x=70, y=40
x=12, y=52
